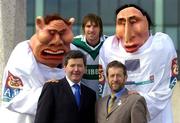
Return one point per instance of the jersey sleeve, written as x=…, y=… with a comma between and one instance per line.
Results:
x=21, y=85
x=159, y=96
x=18, y=93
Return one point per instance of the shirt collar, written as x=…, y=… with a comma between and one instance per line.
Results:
x=72, y=83
x=102, y=39
x=119, y=93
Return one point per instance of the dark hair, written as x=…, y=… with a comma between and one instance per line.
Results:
x=140, y=9
x=74, y=54
x=93, y=18
x=51, y=17
x=116, y=64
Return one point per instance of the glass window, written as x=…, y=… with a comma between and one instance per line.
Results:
x=51, y=6
x=107, y=11
x=172, y=32
x=30, y=18
x=30, y=31
x=148, y=6
x=30, y=11
x=178, y=41
x=122, y=2
x=69, y=8
x=88, y=6
x=171, y=12
x=109, y=30
x=77, y=30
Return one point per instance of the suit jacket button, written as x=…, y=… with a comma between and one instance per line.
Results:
x=107, y=118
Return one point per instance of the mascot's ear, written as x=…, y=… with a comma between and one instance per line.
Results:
x=71, y=21
x=39, y=23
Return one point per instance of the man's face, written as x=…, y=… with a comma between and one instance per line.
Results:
x=131, y=28
x=75, y=69
x=51, y=42
x=116, y=79
x=91, y=31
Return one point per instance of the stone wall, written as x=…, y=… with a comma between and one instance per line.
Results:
x=12, y=28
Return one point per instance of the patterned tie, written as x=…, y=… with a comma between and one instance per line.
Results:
x=77, y=93
x=111, y=102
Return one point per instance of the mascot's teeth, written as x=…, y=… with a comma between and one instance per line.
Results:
x=57, y=52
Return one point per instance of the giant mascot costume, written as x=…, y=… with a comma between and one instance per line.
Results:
x=32, y=63
x=151, y=61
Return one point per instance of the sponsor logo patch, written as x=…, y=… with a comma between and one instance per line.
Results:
x=12, y=87
x=175, y=67
x=91, y=72
x=132, y=65
x=174, y=72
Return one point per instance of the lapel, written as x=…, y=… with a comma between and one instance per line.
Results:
x=118, y=103
x=84, y=96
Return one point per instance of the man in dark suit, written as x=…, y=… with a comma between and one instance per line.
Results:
x=120, y=107
x=57, y=103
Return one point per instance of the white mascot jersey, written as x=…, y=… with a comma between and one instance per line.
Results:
x=152, y=71
x=22, y=84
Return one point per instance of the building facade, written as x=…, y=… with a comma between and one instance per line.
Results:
x=165, y=17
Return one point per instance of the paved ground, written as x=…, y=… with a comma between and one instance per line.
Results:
x=175, y=103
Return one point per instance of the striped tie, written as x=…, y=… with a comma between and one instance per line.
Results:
x=111, y=102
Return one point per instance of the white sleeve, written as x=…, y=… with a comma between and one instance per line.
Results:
x=22, y=82
x=24, y=98
x=26, y=101
x=166, y=77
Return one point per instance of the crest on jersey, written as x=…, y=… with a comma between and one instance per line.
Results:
x=174, y=72
x=101, y=79
x=12, y=87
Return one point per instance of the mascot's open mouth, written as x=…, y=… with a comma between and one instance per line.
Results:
x=53, y=53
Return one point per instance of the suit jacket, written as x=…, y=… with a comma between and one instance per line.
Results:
x=128, y=109
x=57, y=104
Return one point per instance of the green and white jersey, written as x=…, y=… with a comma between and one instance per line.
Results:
x=91, y=76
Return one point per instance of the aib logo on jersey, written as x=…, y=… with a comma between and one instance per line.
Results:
x=12, y=87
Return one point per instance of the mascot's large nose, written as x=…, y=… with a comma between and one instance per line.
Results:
x=127, y=34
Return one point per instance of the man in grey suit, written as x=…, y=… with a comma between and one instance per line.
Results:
x=120, y=107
